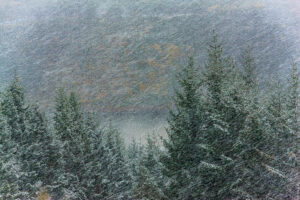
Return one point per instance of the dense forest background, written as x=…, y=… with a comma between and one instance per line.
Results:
x=121, y=99
x=121, y=56
x=228, y=137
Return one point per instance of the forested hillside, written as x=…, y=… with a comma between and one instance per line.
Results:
x=228, y=137
x=149, y=100
x=121, y=55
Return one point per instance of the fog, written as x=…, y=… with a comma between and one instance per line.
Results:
x=42, y=69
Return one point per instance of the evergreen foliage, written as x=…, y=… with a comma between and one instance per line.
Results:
x=148, y=179
x=93, y=165
x=13, y=108
x=117, y=176
x=70, y=130
x=8, y=184
x=228, y=137
x=40, y=155
x=183, y=155
x=237, y=133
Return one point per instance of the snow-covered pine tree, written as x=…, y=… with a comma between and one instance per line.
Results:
x=249, y=69
x=222, y=102
x=148, y=181
x=258, y=176
x=117, y=171
x=274, y=103
x=40, y=155
x=283, y=117
x=182, y=154
x=68, y=125
x=292, y=109
x=8, y=184
x=134, y=155
x=95, y=168
x=33, y=151
x=6, y=144
x=292, y=137
x=97, y=160
x=14, y=110
x=8, y=187
x=93, y=164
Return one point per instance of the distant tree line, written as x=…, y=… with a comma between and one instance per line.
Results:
x=229, y=137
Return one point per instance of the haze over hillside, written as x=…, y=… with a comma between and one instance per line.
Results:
x=121, y=56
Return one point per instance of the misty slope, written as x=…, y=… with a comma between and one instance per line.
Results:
x=121, y=56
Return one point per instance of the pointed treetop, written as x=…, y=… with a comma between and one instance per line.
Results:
x=215, y=49
x=249, y=67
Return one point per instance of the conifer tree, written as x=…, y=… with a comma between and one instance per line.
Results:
x=68, y=124
x=282, y=114
x=134, y=155
x=6, y=144
x=30, y=141
x=182, y=154
x=40, y=155
x=257, y=174
x=13, y=108
x=291, y=139
x=117, y=171
x=249, y=69
x=253, y=158
x=97, y=161
x=148, y=182
x=228, y=138
x=292, y=108
x=93, y=165
x=223, y=117
x=276, y=116
x=8, y=184
x=95, y=168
